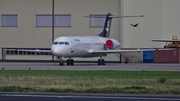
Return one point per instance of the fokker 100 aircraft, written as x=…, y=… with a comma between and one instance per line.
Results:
x=88, y=46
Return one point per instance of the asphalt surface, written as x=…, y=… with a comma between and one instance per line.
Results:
x=87, y=66
x=85, y=97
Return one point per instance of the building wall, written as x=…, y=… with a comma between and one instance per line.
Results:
x=27, y=35
x=150, y=26
x=170, y=19
x=161, y=21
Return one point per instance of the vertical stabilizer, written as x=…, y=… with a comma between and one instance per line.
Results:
x=107, y=26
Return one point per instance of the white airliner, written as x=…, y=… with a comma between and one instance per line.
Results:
x=88, y=46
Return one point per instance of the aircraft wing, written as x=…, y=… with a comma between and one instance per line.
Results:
x=159, y=40
x=120, y=51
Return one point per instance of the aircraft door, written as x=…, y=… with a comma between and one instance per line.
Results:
x=74, y=50
x=72, y=46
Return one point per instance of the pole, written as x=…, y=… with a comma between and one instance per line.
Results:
x=52, y=26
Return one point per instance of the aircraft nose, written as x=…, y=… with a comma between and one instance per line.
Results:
x=55, y=50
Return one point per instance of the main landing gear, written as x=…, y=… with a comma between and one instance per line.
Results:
x=68, y=62
x=101, y=61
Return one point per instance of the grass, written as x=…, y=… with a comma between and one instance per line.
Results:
x=139, y=82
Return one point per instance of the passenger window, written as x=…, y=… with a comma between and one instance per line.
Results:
x=61, y=43
x=55, y=43
x=66, y=43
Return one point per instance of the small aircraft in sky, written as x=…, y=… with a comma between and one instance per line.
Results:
x=88, y=46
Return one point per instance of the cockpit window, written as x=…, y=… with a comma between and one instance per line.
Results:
x=55, y=43
x=61, y=43
x=66, y=43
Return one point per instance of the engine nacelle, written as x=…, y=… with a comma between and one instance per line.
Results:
x=112, y=44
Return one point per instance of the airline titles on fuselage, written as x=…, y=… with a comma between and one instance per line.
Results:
x=77, y=40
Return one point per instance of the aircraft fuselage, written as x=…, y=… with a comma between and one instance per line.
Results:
x=78, y=46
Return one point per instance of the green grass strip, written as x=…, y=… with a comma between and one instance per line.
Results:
x=92, y=74
x=103, y=81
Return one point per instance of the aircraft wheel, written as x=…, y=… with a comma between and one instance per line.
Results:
x=68, y=62
x=99, y=62
x=72, y=62
x=61, y=63
x=103, y=62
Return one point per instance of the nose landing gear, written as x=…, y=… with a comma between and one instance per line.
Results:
x=61, y=62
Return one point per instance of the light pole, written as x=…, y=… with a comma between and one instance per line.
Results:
x=52, y=26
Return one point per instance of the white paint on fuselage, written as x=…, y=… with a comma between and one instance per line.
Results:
x=79, y=46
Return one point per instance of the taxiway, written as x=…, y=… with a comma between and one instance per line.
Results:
x=85, y=97
x=88, y=66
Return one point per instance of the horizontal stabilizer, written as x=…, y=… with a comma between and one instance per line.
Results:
x=113, y=16
x=107, y=23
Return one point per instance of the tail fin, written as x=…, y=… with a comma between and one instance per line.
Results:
x=107, y=26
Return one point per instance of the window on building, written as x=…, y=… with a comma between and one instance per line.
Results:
x=62, y=20
x=9, y=21
x=97, y=22
x=59, y=20
x=43, y=20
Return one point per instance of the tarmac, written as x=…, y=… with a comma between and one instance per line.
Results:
x=85, y=97
x=88, y=66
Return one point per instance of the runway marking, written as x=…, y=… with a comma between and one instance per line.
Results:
x=142, y=98
x=94, y=97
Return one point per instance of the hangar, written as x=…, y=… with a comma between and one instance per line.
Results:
x=27, y=24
